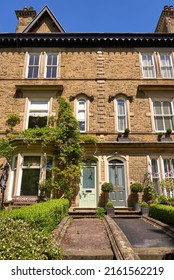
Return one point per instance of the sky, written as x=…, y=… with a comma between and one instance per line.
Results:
x=91, y=15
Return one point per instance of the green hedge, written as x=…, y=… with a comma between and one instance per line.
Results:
x=41, y=216
x=162, y=213
x=19, y=241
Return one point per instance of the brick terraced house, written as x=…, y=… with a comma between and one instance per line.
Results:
x=114, y=81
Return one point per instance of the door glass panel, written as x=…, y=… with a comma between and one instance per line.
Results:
x=112, y=174
x=120, y=176
x=88, y=177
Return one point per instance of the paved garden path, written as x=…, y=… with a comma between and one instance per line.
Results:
x=86, y=238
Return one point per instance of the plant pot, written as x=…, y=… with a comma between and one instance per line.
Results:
x=110, y=211
x=145, y=211
x=137, y=206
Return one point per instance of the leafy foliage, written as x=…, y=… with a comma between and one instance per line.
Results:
x=100, y=212
x=12, y=120
x=163, y=213
x=6, y=149
x=107, y=187
x=21, y=242
x=41, y=216
x=136, y=187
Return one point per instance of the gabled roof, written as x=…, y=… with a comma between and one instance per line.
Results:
x=45, y=12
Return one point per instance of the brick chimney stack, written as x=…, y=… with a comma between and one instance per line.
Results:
x=24, y=17
x=166, y=20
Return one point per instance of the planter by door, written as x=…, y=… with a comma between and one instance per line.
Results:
x=145, y=211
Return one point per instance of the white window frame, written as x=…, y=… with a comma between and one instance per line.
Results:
x=30, y=113
x=155, y=176
x=20, y=167
x=51, y=65
x=33, y=66
x=80, y=110
x=163, y=115
x=150, y=68
x=166, y=69
x=124, y=115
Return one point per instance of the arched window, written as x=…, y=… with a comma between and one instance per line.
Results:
x=121, y=114
x=81, y=113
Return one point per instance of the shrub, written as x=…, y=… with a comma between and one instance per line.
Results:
x=107, y=187
x=20, y=242
x=100, y=212
x=42, y=216
x=162, y=213
x=136, y=187
x=144, y=204
x=109, y=204
x=162, y=199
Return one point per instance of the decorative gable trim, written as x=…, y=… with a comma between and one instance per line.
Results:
x=35, y=21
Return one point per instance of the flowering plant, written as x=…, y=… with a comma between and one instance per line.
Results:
x=149, y=202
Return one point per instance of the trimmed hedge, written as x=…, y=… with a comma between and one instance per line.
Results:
x=41, y=216
x=162, y=213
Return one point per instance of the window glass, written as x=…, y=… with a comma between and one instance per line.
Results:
x=148, y=66
x=51, y=66
x=121, y=115
x=30, y=175
x=81, y=114
x=38, y=113
x=166, y=66
x=163, y=115
x=33, y=66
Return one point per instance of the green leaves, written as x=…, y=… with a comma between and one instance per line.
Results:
x=6, y=149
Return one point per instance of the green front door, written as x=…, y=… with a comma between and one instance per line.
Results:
x=87, y=193
x=117, y=178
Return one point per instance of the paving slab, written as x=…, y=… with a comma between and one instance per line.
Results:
x=86, y=238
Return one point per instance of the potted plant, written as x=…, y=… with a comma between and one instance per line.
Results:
x=168, y=132
x=137, y=188
x=106, y=188
x=144, y=208
x=110, y=208
x=126, y=132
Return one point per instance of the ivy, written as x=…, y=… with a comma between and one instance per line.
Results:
x=6, y=149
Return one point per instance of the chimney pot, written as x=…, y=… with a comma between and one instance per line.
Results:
x=171, y=8
x=166, y=8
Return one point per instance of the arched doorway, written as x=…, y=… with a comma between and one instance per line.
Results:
x=88, y=184
x=117, y=178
